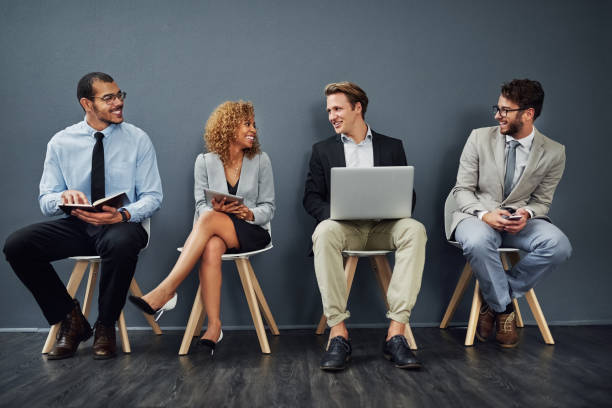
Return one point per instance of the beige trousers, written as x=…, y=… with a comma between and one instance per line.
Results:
x=406, y=236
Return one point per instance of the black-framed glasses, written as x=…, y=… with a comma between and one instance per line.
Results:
x=503, y=112
x=110, y=98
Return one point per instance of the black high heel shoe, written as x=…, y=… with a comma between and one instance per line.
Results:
x=211, y=344
x=145, y=307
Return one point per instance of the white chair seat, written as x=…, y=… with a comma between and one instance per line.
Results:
x=240, y=255
x=90, y=258
x=362, y=254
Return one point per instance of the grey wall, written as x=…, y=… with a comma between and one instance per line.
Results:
x=431, y=69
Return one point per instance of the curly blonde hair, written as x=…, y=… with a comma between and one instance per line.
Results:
x=221, y=127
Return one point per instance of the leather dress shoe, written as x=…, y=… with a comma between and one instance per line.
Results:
x=486, y=323
x=337, y=354
x=396, y=350
x=506, y=334
x=74, y=329
x=105, y=343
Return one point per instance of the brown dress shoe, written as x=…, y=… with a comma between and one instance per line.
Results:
x=507, y=335
x=105, y=343
x=74, y=329
x=486, y=321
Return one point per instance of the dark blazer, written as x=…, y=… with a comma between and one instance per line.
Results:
x=330, y=153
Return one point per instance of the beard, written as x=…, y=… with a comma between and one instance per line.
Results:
x=514, y=127
x=105, y=116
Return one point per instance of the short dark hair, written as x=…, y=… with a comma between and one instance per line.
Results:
x=352, y=91
x=525, y=93
x=85, y=85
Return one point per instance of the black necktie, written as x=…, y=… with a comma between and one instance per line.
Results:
x=97, y=169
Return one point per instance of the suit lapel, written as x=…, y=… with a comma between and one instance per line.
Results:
x=537, y=150
x=336, y=153
x=246, y=173
x=499, y=151
x=216, y=174
x=376, y=148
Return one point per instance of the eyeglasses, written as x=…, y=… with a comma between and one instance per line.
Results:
x=108, y=99
x=503, y=112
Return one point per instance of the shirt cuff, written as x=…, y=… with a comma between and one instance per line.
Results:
x=480, y=214
x=529, y=211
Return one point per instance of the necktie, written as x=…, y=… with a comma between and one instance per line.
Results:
x=97, y=169
x=510, y=165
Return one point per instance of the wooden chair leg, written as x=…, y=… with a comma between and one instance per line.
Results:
x=125, y=341
x=194, y=318
x=539, y=316
x=198, y=328
x=247, y=285
x=506, y=264
x=263, y=304
x=73, y=284
x=509, y=260
x=350, y=265
x=519, y=316
x=410, y=337
x=462, y=284
x=94, y=267
x=135, y=290
x=382, y=271
x=476, y=303
x=322, y=325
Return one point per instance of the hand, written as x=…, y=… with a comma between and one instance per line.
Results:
x=222, y=206
x=517, y=225
x=109, y=215
x=74, y=197
x=495, y=220
x=244, y=213
x=239, y=210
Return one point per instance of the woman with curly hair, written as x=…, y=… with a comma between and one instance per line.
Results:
x=234, y=164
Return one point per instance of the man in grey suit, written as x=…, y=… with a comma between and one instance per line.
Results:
x=505, y=184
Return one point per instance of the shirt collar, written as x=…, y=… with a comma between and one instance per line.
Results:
x=368, y=139
x=524, y=142
x=106, y=131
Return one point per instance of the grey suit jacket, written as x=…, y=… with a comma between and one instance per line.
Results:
x=480, y=179
x=256, y=185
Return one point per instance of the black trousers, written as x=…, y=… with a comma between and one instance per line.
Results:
x=31, y=250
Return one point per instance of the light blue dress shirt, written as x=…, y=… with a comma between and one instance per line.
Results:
x=130, y=166
x=358, y=155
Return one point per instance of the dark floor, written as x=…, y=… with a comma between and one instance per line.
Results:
x=576, y=372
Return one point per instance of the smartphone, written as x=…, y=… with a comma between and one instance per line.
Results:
x=512, y=217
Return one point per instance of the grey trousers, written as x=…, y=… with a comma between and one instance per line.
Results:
x=406, y=236
x=545, y=244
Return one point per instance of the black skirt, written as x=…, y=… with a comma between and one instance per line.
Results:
x=251, y=237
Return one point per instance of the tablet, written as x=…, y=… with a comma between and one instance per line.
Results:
x=212, y=194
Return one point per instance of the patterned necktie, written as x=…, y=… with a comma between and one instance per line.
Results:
x=97, y=169
x=510, y=165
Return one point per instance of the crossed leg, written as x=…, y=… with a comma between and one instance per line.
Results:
x=210, y=224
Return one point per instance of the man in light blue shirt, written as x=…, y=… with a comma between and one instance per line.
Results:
x=98, y=157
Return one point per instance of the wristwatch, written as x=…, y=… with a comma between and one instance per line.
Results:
x=123, y=212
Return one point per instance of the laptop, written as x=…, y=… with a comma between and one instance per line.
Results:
x=371, y=193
